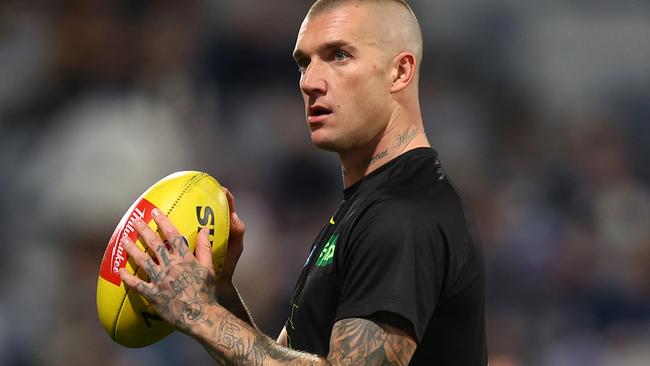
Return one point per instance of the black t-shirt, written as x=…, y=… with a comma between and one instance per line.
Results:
x=401, y=243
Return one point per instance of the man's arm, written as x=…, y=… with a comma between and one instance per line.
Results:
x=359, y=341
x=354, y=341
x=232, y=341
x=181, y=289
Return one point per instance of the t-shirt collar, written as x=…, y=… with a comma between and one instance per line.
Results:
x=384, y=172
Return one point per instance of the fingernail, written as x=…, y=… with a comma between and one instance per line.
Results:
x=235, y=218
x=125, y=240
x=205, y=231
x=138, y=222
x=122, y=273
x=155, y=212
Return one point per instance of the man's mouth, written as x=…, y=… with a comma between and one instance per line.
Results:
x=318, y=113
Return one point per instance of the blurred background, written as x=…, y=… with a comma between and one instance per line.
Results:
x=540, y=110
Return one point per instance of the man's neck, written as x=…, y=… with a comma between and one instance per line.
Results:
x=358, y=164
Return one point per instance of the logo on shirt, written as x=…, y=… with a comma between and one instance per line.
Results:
x=327, y=254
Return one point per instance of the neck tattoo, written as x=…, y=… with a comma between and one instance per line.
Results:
x=399, y=144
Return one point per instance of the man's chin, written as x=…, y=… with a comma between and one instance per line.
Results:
x=324, y=143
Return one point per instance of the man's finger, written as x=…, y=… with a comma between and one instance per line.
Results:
x=141, y=259
x=152, y=240
x=129, y=280
x=134, y=252
x=176, y=241
x=204, y=249
x=179, y=245
x=165, y=225
x=237, y=226
x=133, y=282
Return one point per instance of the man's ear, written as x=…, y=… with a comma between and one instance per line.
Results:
x=404, y=68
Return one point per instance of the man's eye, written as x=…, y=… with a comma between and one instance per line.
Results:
x=302, y=65
x=340, y=56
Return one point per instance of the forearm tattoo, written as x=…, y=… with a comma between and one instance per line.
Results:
x=353, y=342
x=363, y=342
x=238, y=344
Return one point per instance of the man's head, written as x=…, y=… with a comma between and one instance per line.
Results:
x=359, y=62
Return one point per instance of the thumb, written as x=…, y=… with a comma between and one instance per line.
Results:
x=204, y=249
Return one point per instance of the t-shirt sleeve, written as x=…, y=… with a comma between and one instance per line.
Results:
x=394, y=262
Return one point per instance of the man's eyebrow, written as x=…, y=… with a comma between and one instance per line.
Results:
x=336, y=44
x=299, y=54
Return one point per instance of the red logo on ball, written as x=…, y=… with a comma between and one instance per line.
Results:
x=115, y=257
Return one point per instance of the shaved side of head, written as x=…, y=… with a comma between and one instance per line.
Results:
x=399, y=27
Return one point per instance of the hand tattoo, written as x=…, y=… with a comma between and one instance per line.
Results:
x=193, y=311
x=152, y=270
x=179, y=285
x=180, y=244
x=164, y=254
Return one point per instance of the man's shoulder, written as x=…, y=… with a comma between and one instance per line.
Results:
x=425, y=205
x=427, y=192
x=391, y=218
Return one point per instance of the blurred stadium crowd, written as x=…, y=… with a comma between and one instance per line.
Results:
x=540, y=111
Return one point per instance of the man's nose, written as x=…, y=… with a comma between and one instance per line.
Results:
x=312, y=80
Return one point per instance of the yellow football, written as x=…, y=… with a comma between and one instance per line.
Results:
x=192, y=200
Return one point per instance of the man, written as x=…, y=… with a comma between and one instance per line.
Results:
x=396, y=276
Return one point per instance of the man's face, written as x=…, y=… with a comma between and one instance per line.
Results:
x=344, y=77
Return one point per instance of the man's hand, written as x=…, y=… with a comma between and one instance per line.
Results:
x=181, y=285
